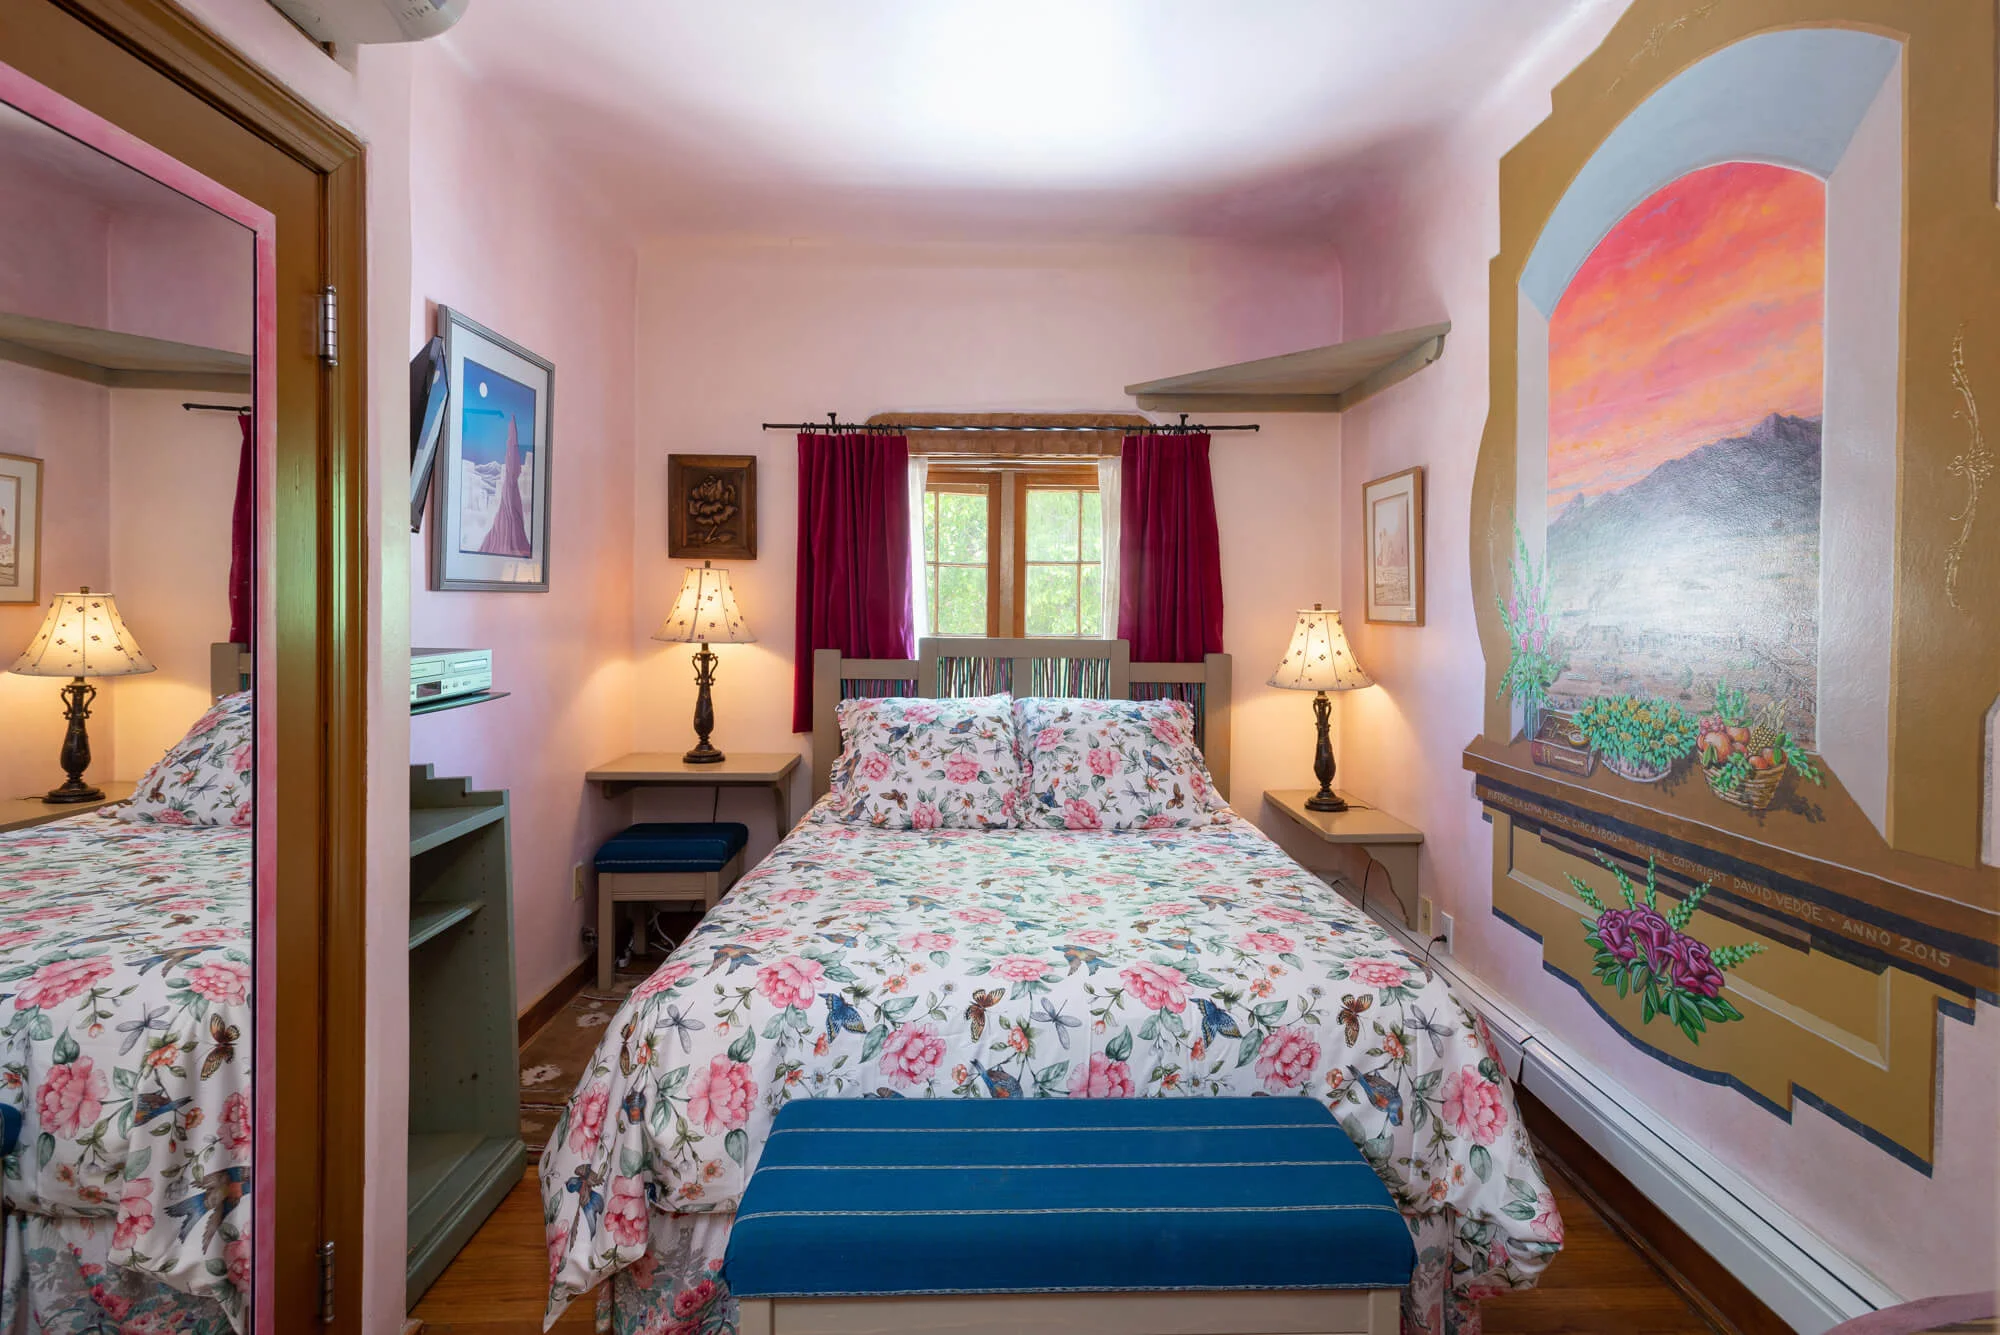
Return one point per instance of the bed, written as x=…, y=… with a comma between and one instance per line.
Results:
x=125, y=1015
x=864, y=963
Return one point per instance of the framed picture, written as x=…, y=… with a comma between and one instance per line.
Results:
x=20, y=529
x=712, y=506
x=490, y=507
x=427, y=400
x=1392, y=526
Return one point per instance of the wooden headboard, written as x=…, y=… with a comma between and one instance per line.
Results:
x=229, y=669
x=1095, y=669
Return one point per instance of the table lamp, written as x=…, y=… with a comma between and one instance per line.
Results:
x=82, y=636
x=1319, y=660
x=705, y=614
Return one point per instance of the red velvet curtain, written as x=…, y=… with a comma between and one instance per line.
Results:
x=854, y=555
x=1170, y=559
x=242, y=534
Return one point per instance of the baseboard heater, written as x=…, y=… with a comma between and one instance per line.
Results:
x=1791, y=1269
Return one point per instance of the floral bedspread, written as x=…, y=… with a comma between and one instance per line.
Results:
x=1026, y=963
x=125, y=1028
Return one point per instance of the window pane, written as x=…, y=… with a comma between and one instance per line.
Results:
x=1093, y=526
x=1052, y=526
x=1093, y=601
x=1051, y=607
x=930, y=525
x=961, y=600
x=961, y=526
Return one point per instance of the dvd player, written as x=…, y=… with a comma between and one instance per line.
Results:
x=444, y=674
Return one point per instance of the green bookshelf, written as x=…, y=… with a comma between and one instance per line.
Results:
x=465, y=1105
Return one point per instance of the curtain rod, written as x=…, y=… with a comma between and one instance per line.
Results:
x=835, y=426
x=243, y=411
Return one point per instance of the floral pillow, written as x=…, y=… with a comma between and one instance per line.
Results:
x=207, y=778
x=1114, y=765
x=908, y=764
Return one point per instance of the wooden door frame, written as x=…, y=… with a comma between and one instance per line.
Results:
x=321, y=658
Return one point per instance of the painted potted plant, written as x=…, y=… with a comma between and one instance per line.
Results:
x=1745, y=757
x=1538, y=657
x=1640, y=949
x=1639, y=737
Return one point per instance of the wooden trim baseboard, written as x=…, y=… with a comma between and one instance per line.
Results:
x=559, y=995
x=1719, y=1297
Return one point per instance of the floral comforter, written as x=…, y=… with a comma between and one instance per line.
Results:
x=125, y=1018
x=967, y=964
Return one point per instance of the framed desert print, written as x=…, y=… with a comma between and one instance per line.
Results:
x=20, y=529
x=1392, y=526
x=490, y=521
x=712, y=506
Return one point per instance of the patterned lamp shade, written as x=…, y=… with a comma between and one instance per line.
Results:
x=83, y=636
x=706, y=612
x=1318, y=658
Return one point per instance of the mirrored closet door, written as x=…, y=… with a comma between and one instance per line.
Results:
x=130, y=810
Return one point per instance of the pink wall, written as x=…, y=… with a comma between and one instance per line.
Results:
x=1415, y=248
x=174, y=595
x=499, y=233
x=734, y=333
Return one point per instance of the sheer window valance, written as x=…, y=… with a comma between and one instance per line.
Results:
x=1004, y=446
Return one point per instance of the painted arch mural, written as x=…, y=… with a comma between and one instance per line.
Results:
x=1733, y=747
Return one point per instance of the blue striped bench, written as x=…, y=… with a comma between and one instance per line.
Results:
x=1108, y=1216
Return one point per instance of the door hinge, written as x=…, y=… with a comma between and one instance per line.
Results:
x=326, y=1270
x=329, y=325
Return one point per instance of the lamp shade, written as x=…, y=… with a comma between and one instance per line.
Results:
x=1318, y=658
x=83, y=636
x=706, y=611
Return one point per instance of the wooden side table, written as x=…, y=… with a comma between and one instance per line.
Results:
x=20, y=813
x=743, y=769
x=1375, y=833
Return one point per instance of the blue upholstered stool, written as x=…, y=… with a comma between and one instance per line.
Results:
x=1113, y=1216
x=10, y=1129
x=690, y=862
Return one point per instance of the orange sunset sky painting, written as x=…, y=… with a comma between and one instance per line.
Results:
x=1696, y=317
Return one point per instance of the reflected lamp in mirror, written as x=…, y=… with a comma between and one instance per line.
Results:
x=82, y=636
x=1318, y=659
x=705, y=614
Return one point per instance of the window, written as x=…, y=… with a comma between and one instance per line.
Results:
x=1014, y=552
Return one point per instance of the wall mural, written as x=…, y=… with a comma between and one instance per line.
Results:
x=1734, y=751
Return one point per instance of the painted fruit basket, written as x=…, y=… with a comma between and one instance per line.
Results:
x=1745, y=759
x=1753, y=782
x=1639, y=738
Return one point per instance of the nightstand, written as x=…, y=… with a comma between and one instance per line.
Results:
x=743, y=769
x=1375, y=834
x=21, y=813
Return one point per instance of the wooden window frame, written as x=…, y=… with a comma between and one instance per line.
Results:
x=1006, y=489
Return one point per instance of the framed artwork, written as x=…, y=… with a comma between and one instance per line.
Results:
x=490, y=508
x=427, y=401
x=712, y=506
x=1392, y=526
x=20, y=529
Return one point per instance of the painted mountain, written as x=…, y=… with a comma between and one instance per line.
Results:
x=1707, y=567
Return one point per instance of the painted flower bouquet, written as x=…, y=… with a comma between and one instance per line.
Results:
x=1538, y=656
x=1640, y=949
x=1639, y=737
x=1745, y=757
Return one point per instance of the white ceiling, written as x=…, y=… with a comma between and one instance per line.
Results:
x=994, y=117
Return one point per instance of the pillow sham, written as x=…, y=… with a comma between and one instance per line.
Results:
x=207, y=778
x=1112, y=765
x=911, y=764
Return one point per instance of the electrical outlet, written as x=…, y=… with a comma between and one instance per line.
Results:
x=1446, y=929
x=1426, y=915
x=576, y=882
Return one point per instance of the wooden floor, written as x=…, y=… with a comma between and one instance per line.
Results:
x=1600, y=1285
